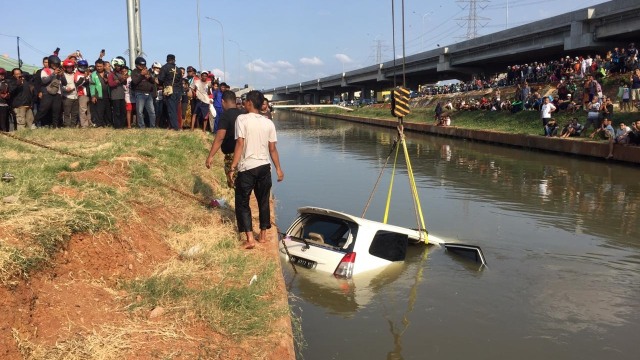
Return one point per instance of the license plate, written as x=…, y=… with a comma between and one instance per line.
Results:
x=309, y=264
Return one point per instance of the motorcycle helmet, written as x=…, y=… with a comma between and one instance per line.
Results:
x=140, y=61
x=124, y=61
x=83, y=65
x=117, y=62
x=54, y=60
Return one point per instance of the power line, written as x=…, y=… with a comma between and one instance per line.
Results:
x=472, y=19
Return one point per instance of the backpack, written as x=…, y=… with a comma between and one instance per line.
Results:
x=53, y=87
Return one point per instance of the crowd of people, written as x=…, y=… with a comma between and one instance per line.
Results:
x=618, y=60
x=70, y=92
x=578, y=90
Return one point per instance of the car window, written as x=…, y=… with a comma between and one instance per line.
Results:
x=328, y=231
x=389, y=245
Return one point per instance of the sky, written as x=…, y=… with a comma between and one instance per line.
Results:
x=266, y=43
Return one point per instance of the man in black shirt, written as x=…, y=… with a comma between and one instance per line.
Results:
x=170, y=76
x=225, y=136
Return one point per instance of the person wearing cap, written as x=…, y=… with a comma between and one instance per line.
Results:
x=170, y=76
x=143, y=87
x=21, y=100
x=51, y=100
x=70, y=103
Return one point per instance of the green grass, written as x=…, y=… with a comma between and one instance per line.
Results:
x=46, y=220
x=233, y=310
x=524, y=122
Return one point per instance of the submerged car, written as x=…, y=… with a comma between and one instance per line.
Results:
x=345, y=245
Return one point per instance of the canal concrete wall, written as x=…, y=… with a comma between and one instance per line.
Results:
x=573, y=146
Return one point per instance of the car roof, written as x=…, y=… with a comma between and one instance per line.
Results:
x=358, y=220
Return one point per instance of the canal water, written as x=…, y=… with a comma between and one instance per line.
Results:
x=561, y=236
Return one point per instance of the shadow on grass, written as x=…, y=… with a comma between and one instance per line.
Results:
x=201, y=187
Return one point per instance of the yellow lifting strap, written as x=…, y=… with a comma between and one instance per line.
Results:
x=412, y=183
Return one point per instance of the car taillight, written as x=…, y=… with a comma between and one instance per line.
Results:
x=345, y=268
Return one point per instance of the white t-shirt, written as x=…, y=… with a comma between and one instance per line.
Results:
x=127, y=91
x=547, y=109
x=257, y=132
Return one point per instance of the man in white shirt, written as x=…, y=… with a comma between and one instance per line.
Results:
x=545, y=110
x=255, y=144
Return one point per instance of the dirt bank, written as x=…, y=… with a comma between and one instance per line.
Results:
x=112, y=255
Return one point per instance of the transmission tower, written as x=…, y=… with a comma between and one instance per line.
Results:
x=473, y=20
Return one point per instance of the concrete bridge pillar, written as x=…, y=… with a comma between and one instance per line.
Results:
x=581, y=35
x=444, y=62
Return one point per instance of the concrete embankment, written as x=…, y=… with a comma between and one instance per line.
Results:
x=580, y=147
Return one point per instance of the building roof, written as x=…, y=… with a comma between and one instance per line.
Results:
x=8, y=63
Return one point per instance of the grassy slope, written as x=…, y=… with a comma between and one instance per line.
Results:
x=204, y=278
x=525, y=122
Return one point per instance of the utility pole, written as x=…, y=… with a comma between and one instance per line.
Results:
x=506, y=21
x=199, y=37
x=135, y=30
x=19, y=60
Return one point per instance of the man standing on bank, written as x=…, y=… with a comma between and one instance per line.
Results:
x=225, y=136
x=255, y=143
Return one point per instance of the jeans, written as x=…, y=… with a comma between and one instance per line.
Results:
x=219, y=111
x=172, y=108
x=257, y=180
x=143, y=101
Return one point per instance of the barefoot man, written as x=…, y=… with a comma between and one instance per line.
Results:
x=255, y=144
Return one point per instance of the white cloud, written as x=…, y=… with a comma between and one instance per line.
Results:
x=343, y=58
x=311, y=61
x=261, y=66
x=218, y=73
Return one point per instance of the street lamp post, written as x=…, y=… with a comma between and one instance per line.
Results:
x=199, y=36
x=251, y=74
x=423, y=28
x=224, y=64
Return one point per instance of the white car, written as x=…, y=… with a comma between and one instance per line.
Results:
x=346, y=245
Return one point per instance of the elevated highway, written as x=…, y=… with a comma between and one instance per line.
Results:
x=595, y=29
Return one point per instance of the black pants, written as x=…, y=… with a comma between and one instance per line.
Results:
x=119, y=113
x=101, y=112
x=257, y=180
x=49, y=110
x=4, y=118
